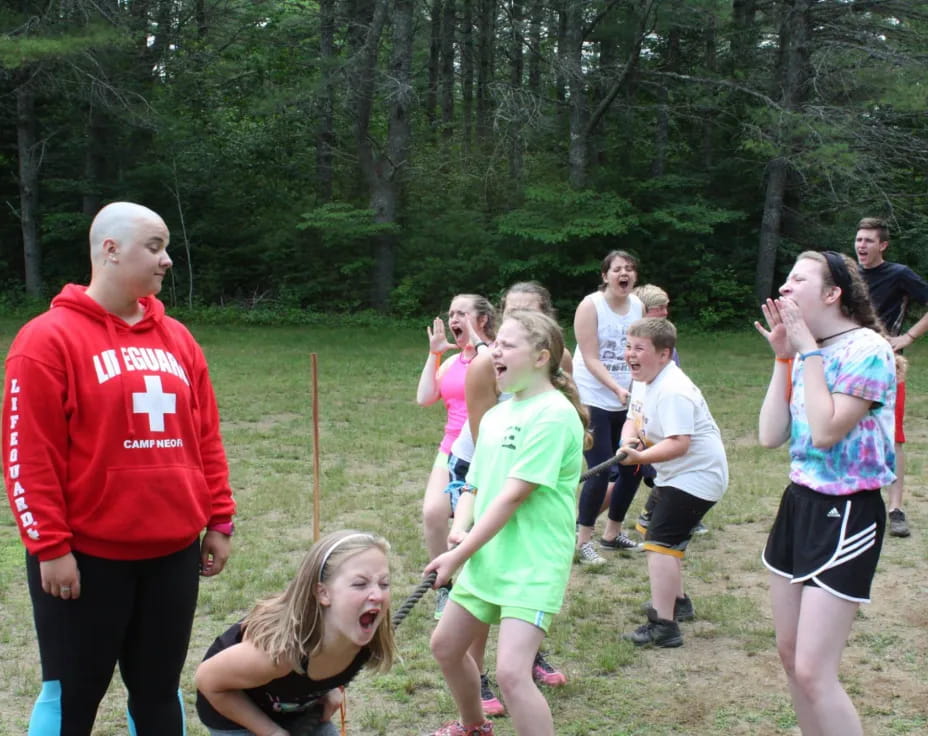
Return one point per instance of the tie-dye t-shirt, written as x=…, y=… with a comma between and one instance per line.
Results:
x=860, y=364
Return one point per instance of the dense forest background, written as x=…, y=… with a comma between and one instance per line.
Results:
x=341, y=155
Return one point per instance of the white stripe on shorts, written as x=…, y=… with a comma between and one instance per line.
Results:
x=848, y=547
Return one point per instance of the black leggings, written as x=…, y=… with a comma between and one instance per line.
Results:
x=606, y=427
x=137, y=613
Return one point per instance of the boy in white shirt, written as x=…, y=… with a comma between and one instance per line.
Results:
x=670, y=427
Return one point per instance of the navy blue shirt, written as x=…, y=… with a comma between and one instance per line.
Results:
x=283, y=700
x=892, y=286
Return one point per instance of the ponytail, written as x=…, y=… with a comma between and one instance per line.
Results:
x=565, y=384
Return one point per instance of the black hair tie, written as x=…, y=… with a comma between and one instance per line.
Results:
x=839, y=272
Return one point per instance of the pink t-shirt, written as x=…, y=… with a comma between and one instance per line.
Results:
x=451, y=390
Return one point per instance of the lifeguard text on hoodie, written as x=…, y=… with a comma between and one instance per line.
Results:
x=111, y=441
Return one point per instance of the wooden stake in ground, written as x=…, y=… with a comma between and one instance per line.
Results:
x=316, y=501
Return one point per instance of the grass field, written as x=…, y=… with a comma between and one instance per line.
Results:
x=376, y=450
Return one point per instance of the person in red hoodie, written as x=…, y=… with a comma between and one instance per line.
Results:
x=114, y=466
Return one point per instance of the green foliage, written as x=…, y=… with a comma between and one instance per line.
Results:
x=220, y=124
x=57, y=43
x=340, y=224
x=558, y=214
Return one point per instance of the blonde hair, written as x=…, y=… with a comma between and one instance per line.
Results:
x=660, y=331
x=290, y=626
x=531, y=287
x=545, y=334
x=652, y=296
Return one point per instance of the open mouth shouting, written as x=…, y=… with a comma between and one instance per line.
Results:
x=500, y=369
x=368, y=620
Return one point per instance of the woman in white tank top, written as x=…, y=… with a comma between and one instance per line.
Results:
x=603, y=378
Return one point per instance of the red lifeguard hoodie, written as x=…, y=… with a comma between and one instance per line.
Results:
x=111, y=441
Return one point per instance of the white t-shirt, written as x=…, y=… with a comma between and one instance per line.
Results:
x=672, y=405
x=611, y=329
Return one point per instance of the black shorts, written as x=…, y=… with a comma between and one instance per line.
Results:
x=832, y=542
x=673, y=517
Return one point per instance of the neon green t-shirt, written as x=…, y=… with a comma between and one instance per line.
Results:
x=527, y=563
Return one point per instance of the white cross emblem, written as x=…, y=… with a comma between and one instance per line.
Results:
x=155, y=403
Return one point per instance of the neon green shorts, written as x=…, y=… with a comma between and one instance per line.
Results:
x=490, y=613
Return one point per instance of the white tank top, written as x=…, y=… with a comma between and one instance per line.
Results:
x=611, y=329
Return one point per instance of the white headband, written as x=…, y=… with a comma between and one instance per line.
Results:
x=325, y=559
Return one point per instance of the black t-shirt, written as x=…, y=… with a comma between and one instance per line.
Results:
x=284, y=699
x=892, y=286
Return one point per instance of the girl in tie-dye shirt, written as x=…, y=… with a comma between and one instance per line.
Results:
x=831, y=394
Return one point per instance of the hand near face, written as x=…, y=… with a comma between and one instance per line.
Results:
x=800, y=337
x=471, y=332
x=776, y=333
x=438, y=341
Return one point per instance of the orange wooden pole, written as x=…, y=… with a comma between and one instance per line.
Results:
x=316, y=491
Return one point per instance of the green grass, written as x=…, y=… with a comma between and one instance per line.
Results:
x=376, y=449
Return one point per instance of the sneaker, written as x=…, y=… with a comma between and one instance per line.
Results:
x=699, y=529
x=588, y=555
x=644, y=520
x=683, y=609
x=658, y=632
x=491, y=704
x=622, y=543
x=441, y=600
x=454, y=728
x=546, y=674
x=898, y=526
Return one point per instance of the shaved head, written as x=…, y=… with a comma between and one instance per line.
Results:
x=117, y=221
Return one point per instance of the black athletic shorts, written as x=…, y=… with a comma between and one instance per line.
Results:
x=832, y=542
x=673, y=517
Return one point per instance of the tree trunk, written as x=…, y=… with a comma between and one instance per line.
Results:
x=516, y=68
x=534, y=52
x=794, y=73
x=202, y=19
x=363, y=88
x=662, y=129
x=431, y=92
x=744, y=34
x=94, y=160
x=563, y=51
x=577, y=150
x=388, y=172
x=29, y=162
x=486, y=32
x=777, y=174
x=446, y=72
x=708, y=128
x=467, y=73
x=325, y=136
